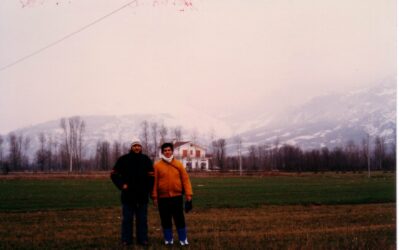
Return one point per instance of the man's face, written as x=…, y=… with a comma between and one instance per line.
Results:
x=136, y=148
x=167, y=152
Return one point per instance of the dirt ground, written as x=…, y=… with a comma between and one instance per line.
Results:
x=371, y=226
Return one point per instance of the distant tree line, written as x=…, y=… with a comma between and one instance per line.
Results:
x=374, y=155
x=53, y=154
x=69, y=152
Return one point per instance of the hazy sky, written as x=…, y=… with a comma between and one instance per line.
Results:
x=220, y=56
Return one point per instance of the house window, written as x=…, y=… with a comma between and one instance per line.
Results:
x=198, y=153
x=184, y=153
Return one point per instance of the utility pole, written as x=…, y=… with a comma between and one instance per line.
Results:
x=239, y=141
x=368, y=157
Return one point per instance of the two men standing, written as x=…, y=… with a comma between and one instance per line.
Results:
x=133, y=174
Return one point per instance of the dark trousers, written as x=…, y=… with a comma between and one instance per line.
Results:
x=171, y=208
x=128, y=212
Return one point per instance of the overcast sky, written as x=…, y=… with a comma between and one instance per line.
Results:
x=220, y=56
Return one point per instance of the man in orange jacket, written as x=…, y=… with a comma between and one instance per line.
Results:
x=170, y=182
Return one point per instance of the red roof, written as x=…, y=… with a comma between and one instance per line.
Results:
x=180, y=143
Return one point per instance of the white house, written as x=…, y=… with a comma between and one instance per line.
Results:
x=191, y=155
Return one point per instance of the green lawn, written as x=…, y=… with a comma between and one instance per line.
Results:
x=45, y=194
x=293, y=190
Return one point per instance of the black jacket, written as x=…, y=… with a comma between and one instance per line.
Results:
x=135, y=170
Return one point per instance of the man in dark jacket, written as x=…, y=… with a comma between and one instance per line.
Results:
x=133, y=174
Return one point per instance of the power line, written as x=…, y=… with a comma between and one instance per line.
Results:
x=65, y=37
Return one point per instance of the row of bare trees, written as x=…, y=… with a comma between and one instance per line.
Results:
x=376, y=155
x=52, y=153
x=152, y=135
x=107, y=154
x=67, y=153
x=17, y=156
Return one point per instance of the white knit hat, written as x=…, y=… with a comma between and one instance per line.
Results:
x=136, y=142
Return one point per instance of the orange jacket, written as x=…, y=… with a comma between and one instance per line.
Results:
x=169, y=178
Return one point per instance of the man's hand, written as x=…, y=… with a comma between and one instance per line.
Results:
x=188, y=197
x=125, y=186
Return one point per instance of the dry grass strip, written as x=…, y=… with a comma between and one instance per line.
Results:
x=371, y=226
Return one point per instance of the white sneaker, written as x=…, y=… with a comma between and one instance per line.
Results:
x=169, y=242
x=184, y=243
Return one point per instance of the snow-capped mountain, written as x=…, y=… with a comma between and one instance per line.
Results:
x=329, y=120
x=125, y=128
x=332, y=120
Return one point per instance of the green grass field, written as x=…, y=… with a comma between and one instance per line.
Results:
x=308, y=211
x=44, y=194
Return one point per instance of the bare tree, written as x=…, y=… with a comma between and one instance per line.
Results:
x=73, y=139
x=311, y=160
x=80, y=145
x=352, y=156
x=116, y=151
x=3, y=165
x=252, y=157
x=126, y=147
x=1, y=151
x=220, y=151
x=194, y=135
x=379, y=151
x=67, y=141
x=338, y=160
x=262, y=156
x=41, y=154
x=178, y=133
x=238, y=142
x=66, y=145
x=211, y=147
x=26, y=142
x=392, y=156
x=154, y=135
x=44, y=155
x=145, y=137
x=103, y=155
x=51, y=152
x=77, y=128
x=325, y=159
x=15, y=151
x=275, y=154
x=366, y=153
x=163, y=133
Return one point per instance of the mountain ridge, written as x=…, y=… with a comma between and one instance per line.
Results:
x=324, y=121
x=333, y=119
